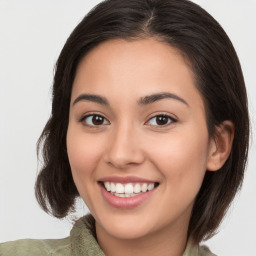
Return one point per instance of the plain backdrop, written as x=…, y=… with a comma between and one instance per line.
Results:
x=32, y=34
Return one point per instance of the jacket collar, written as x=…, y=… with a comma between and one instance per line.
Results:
x=83, y=240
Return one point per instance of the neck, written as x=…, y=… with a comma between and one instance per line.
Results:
x=169, y=241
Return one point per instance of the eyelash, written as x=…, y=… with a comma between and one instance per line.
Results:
x=83, y=120
x=106, y=122
x=169, y=118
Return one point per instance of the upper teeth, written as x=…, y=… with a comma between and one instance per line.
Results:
x=129, y=188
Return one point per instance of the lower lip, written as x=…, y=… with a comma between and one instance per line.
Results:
x=125, y=202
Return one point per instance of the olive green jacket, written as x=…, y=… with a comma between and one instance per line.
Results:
x=81, y=242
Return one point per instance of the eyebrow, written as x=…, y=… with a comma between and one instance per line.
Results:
x=93, y=98
x=160, y=96
x=142, y=101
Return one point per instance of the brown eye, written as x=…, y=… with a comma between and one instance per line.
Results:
x=161, y=120
x=95, y=120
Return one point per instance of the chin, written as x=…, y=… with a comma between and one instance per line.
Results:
x=128, y=233
x=125, y=227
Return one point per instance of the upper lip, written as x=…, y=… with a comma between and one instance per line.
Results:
x=127, y=179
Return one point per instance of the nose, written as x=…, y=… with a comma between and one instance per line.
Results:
x=124, y=149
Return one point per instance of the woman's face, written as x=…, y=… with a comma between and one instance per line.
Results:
x=137, y=138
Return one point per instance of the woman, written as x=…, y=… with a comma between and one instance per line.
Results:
x=149, y=126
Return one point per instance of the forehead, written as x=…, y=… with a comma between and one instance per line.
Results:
x=136, y=55
x=133, y=69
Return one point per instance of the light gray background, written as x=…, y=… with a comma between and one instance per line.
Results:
x=32, y=34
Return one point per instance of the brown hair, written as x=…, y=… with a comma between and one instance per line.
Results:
x=187, y=27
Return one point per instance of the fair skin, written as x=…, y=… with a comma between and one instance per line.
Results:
x=160, y=140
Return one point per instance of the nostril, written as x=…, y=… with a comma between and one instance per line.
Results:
x=121, y=154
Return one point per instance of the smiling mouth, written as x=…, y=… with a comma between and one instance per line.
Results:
x=128, y=189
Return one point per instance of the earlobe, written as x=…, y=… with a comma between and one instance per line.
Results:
x=220, y=146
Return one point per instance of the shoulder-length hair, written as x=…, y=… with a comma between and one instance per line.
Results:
x=219, y=79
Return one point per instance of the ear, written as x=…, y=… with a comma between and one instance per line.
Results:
x=220, y=146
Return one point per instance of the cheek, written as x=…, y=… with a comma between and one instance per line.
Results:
x=181, y=158
x=84, y=153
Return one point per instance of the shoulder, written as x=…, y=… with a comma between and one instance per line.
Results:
x=32, y=247
x=205, y=251
x=82, y=241
x=197, y=250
